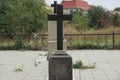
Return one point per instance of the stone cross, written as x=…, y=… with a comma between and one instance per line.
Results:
x=59, y=17
x=60, y=63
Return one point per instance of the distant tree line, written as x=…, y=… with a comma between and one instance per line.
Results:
x=96, y=17
x=117, y=9
x=30, y=16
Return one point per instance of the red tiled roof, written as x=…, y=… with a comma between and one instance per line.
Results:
x=76, y=4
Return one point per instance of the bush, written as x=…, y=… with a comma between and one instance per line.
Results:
x=97, y=17
x=78, y=64
x=18, y=43
x=82, y=44
x=79, y=21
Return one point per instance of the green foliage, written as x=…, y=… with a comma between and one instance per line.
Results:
x=117, y=9
x=18, y=43
x=87, y=44
x=19, y=69
x=116, y=20
x=79, y=20
x=97, y=16
x=38, y=43
x=78, y=64
x=23, y=16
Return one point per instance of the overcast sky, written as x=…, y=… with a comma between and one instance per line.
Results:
x=108, y=4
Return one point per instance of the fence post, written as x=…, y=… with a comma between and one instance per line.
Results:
x=113, y=39
x=84, y=40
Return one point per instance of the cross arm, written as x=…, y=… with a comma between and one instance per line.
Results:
x=52, y=17
x=61, y=17
x=67, y=17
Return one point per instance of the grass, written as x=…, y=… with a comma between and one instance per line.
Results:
x=43, y=54
x=107, y=29
x=19, y=69
x=9, y=44
x=81, y=44
x=93, y=42
x=73, y=42
x=79, y=65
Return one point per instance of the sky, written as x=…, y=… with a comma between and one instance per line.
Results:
x=107, y=4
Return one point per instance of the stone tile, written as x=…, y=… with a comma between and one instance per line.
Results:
x=107, y=65
x=101, y=79
x=114, y=79
x=77, y=78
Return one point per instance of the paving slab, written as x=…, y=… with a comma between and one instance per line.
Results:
x=34, y=65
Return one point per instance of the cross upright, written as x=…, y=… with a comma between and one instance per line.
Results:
x=55, y=6
x=59, y=17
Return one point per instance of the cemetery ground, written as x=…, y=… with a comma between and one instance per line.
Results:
x=32, y=65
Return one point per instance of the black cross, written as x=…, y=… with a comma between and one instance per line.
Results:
x=55, y=6
x=59, y=17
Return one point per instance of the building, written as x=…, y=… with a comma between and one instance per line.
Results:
x=75, y=5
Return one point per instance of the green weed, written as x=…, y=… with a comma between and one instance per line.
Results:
x=79, y=65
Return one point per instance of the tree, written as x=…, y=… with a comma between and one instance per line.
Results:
x=22, y=16
x=116, y=20
x=3, y=9
x=35, y=16
x=117, y=9
x=79, y=20
x=97, y=16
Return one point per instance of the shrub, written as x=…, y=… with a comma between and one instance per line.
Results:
x=78, y=64
x=18, y=43
x=19, y=69
x=80, y=44
x=79, y=20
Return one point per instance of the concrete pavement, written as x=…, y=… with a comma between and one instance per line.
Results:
x=107, y=65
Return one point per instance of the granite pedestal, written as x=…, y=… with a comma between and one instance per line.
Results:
x=60, y=66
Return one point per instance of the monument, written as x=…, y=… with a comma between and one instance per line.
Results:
x=60, y=63
x=52, y=33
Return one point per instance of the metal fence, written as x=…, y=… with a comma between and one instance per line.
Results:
x=32, y=42
x=74, y=41
x=94, y=41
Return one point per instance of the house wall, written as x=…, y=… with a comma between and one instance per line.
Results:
x=69, y=10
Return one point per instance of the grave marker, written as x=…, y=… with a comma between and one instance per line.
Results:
x=52, y=32
x=53, y=39
x=55, y=6
x=60, y=18
x=60, y=63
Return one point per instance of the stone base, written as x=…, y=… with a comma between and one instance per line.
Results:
x=52, y=46
x=60, y=66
